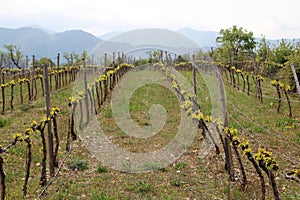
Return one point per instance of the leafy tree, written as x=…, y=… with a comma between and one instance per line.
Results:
x=203, y=55
x=14, y=53
x=285, y=73
x=282, y=51
x=154, y=56
x=44, y=62
x=264, y=51
x=67, y=56
x=235, y=42
x=141, y=61
x=86, y=57
x=76, y=58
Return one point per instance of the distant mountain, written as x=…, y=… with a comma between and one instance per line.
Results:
x=42, y=44
x=137, y=42
x=205, y=39
x=109, y=35
x=42, y=29
x=46, y=43
x=276, y=42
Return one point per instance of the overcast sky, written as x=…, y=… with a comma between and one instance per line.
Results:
x=271, y=18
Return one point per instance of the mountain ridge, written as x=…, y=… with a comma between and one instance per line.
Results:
x=43, y=42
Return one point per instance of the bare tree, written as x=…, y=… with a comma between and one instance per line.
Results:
x=15, y=54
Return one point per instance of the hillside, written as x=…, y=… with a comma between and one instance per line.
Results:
x=46, y=43
x=35, y=41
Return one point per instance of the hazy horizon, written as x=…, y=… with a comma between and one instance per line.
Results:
x=272, y=19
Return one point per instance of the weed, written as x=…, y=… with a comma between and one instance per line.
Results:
x=176, y=182
x=100, y=196
x=153, y=166
x=26, y=107
x=108, y=114
x=102, y=169
x=298, y=137
x=286, y=123
x=143, y=187
x=78, y=165
x=121, y=134
x=180, y=165
x=3, y=122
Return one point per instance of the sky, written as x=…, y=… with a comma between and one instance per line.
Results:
x=271, y=18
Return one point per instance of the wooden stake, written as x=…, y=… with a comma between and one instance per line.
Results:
x=2, y=176
x=85, y=90
x=296, y=78
x=26, y=62
x=227, y=149
x=194, y=75
x=50, y=136
x=105, y=59
x=58, y=56
x=32, y=78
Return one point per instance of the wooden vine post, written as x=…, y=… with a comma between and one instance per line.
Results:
x=123, y=57
x=32, y=79
x=2, y=178
x=3, y=98
x=119, y=58
x=50, y=136
x=105, y=59
x=227, y=149
x=296, y=78
x=1, y=58
x=85, y=90
x=232, y=67
x=58, y=56
x=257, y=79
x=194, y=75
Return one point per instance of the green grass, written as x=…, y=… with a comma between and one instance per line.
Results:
x=102, y=169
x=189, y=177
x=180, y=166
x=3, y=122
x=143, y=187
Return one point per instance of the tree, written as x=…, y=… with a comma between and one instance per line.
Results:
x=44, y=62
x=67, y=56
x=77, y=59
x=263, y=51
x=14, y=53
x=285, y=73
x=154, y=56
x=235, y=42
x=282, y=51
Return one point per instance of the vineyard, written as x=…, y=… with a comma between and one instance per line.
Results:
x=248, y=150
